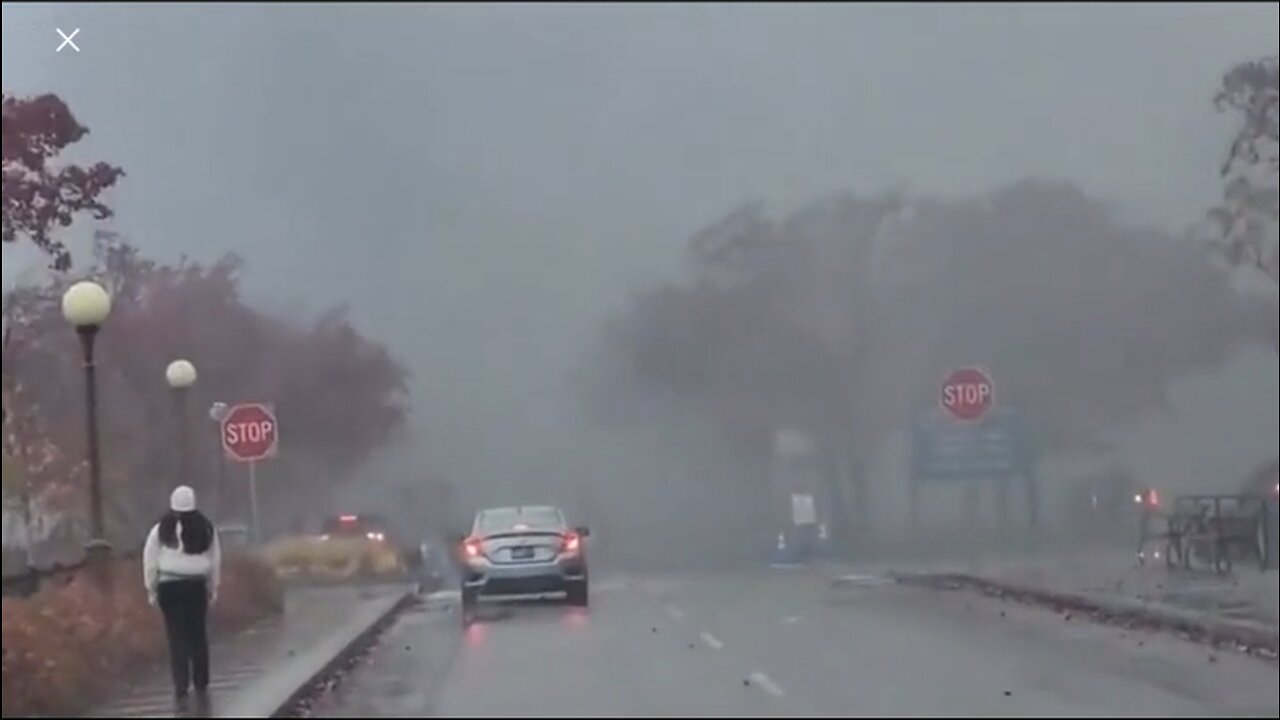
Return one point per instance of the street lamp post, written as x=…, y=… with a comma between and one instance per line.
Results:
x=86, y=305
x=181, y=375
x=217, y=413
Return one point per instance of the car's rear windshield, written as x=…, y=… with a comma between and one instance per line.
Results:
x=532, y=518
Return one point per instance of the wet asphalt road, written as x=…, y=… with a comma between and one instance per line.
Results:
x=785, y=642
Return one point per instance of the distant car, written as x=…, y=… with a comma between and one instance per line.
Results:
x=382, y=546
x=529, y=550
x=370, y=527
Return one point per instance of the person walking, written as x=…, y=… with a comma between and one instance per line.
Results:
x=181, y=567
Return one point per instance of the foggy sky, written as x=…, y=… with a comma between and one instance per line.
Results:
x=484, y=183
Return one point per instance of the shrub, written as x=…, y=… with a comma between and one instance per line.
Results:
x=335, y=560
x=70, y=643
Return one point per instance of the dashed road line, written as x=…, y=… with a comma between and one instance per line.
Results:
x=859, y=581
x=711, y=641
x=676, y=613
x=765, y=683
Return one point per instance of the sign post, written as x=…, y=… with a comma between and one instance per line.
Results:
x=250, y=434
x=254, y=520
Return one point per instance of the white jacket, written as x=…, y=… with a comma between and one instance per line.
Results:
x=161, y=563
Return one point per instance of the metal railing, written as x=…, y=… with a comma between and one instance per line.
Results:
x=1216, y=530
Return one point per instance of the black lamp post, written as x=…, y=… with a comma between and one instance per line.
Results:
x=86, y=305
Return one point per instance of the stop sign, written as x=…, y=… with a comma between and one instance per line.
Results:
x=967, y=394
x=249, y=432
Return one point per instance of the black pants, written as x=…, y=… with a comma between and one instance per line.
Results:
x=185, y=604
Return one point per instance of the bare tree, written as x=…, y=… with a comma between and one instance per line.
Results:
x=840, y=319
x=1247, y=217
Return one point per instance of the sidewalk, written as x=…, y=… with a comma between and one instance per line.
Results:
x=1107, y=586
x=1103, y=572
x=244, y=663
x=1246, y=595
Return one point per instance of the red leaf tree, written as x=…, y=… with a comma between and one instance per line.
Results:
x=39, y=194
x=339, y=396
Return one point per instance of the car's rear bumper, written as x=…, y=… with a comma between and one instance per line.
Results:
x=488, y=578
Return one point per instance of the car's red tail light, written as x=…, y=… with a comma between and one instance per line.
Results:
x=471, y=546
x=570, y=543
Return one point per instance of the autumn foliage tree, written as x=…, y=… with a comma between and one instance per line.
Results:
x=339, y=396
x=842, y=318
x=1248, y=218
x=41, y=195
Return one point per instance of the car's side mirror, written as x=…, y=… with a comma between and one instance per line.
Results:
x=583, y=531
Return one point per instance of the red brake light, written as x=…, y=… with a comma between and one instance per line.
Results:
x=571, y=543
x=472, y=547
x=1153, y=498
x=348, y=519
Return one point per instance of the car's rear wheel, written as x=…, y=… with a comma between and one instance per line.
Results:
x=577, y=594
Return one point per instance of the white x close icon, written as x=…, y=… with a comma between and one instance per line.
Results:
x=68, y=39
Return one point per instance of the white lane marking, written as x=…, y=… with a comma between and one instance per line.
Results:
x=712, y=641
x=676, y=613
x=860, y=581
x=792, y=620
x=766, y=684
x=443, y=595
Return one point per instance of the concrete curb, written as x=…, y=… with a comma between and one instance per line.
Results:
x=276, y=694
x=1255, y=638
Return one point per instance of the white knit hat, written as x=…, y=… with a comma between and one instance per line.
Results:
x=183, y=499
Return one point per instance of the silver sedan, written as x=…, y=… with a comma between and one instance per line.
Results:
x=529, y=550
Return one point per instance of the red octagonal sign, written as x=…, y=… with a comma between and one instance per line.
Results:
x=967, y=394
x=250, y=433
